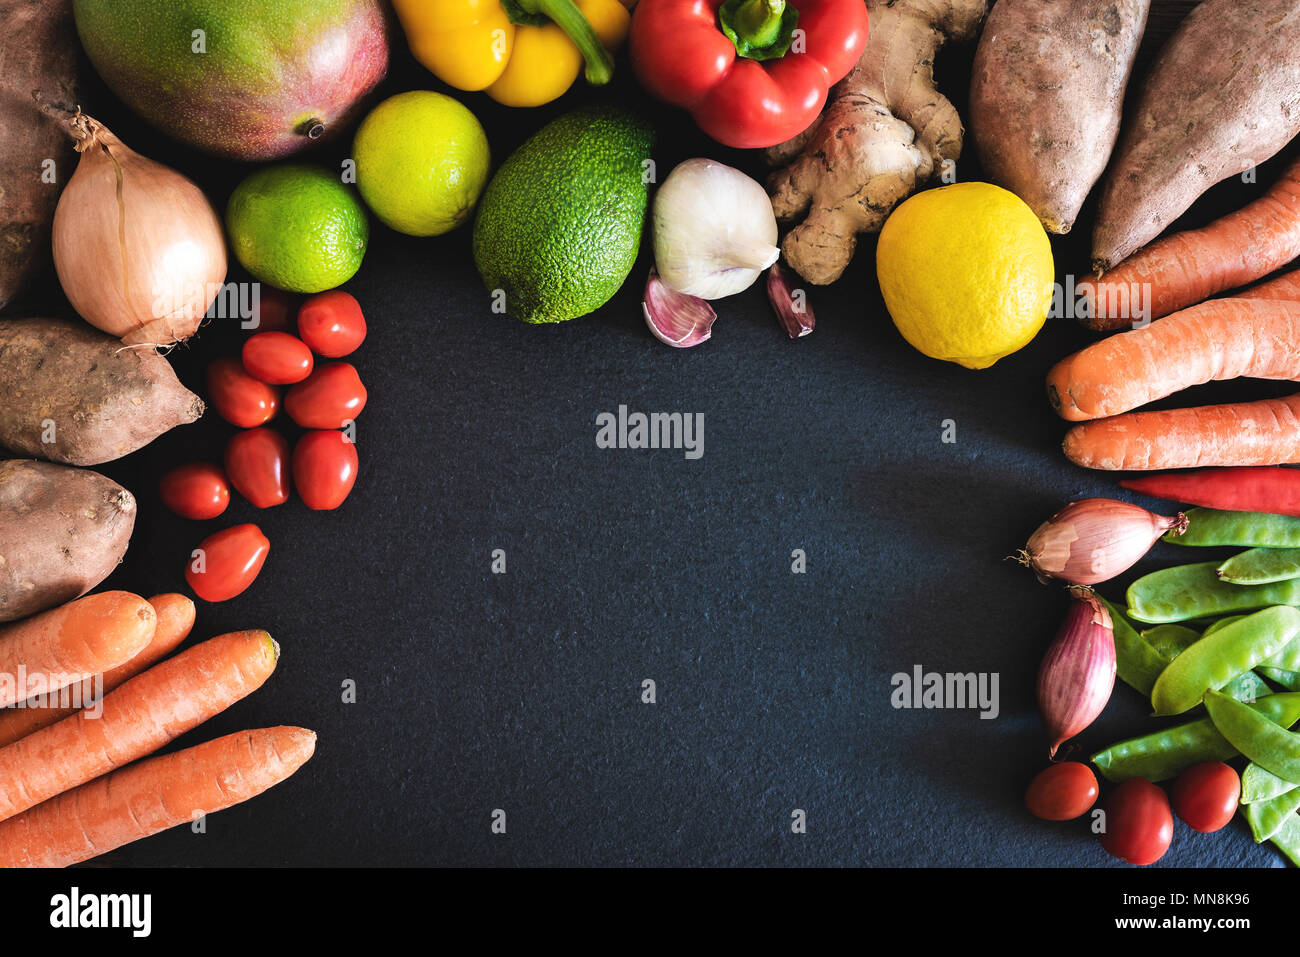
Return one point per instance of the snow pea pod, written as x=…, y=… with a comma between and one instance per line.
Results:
x=1167, y=753
x=1269, y=745
x=1261, y=566
x=1209, y=526
x=1219, y=658
x=1246, y=686
x=1260, y=785
x=1266, y=817
x=1169, y=641
x=1137, y=664
x=1195, y=591
x=1290, y=680
x=1287, y=839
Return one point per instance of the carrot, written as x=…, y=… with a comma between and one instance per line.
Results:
x=175, y=619
x=1285, y=286
x=138, y=718
x=1245, y=433
x=1273, y=489
x=1189, y=267
x=1219, y=339
x=153, y=795
x=68, y=644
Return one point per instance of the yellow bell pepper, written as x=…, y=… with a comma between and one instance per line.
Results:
x=522, y=52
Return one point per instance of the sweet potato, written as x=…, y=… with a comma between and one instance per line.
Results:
x=1222, y=96
x=62, y=530
x=73, y=394
x=38, y=52
x=1046, y=92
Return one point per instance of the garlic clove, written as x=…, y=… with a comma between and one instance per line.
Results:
x=791, y=305
x=675, y=318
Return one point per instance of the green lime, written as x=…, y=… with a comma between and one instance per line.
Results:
x=422, y=159
x=297, y=227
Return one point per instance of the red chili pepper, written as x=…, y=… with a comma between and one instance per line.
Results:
x=753, y=73
x=1241, y=489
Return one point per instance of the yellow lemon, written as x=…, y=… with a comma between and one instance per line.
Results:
x=966, y=272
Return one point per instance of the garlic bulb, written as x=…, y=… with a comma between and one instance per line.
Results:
x=714, y=230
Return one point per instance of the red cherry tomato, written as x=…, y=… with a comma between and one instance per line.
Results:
x=1139, y=826
x=328, y=398
x=239, y=398
x=257, y=461
x=277, y=358
x=1205, y=796
x=332, y=324
x=324, y=468
x=1062, y=792
x=226, y=563
x=197, y=490
x=274, y=310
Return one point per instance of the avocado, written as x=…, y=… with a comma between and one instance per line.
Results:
x=559, y=226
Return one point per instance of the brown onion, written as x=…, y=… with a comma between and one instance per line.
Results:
x=138, y=248
x=1094, y=539
x=1078, y=672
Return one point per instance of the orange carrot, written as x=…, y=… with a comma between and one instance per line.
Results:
x=1285, y=286
x=138, y=718
x=1245, y=433
x=175, y=619
x=153, y=795
x=68, y=644
x=1186, y=268
x=1219, y=339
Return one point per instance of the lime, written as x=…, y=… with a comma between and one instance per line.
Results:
x=422, y=159
x=297, y=227
x=966, y=272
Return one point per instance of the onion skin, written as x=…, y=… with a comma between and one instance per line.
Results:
x=1077, y=674
x=146, y=267
x=1094, y=539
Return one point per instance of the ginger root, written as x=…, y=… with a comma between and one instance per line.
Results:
x=884, y=132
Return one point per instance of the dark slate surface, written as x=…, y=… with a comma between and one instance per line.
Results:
x=522, y=691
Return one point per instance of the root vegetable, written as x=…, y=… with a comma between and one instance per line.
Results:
x=1285, y=286
x=38, y=51
x=1246, y=433
x=1046, y=92
x=152, y=796
x=1223, y=96
x=66, y=645
x=74, y=395
x=1219, y=339
x=141, y=716
x=62, y=531
x=884, y=133
x=1189, y=267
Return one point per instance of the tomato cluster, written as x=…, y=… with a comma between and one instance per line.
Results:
x=322, y=398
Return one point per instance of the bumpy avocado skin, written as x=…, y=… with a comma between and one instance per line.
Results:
x=559, y=226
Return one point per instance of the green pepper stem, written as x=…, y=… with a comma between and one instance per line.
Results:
x=758, y=22
x=566, y=16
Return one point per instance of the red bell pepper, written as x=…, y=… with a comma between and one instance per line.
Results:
x=753, y=73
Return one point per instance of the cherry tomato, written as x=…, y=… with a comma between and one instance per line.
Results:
x=1205, y=796
x=1139, y=826
x=1062, y=792
x=332, y=324
x=257, y=461
x=226, y=563
x=328, y=398
x=277, y=358
x=324, y=468
x=239, y=398
x=274, y=310
x=198, y=490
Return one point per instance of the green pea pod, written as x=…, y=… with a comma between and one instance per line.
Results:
x=1221, y=623
x=1287, y=839
x=1167, y=753
x=1260, y=785
x=1269, y=745
x=1266, y=817
x=1261, y=566
x=1214, y=661
x=1208, y=526
x=1195, y=591
x=1136, y=663
x=1170, y=641
x=1290, y=680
